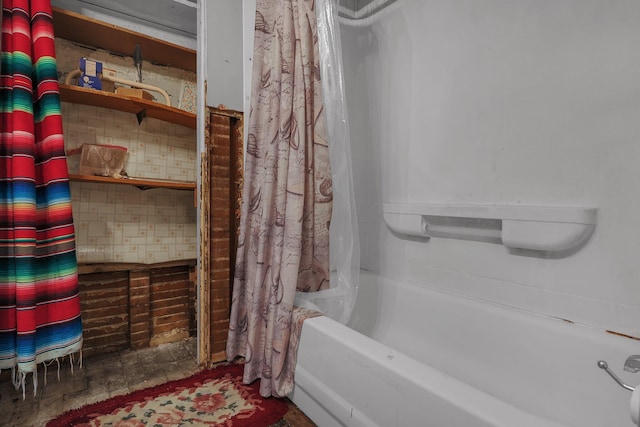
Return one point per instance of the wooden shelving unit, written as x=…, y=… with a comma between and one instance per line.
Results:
x=80, y=95
x=90, y=32
x=141, y=183
x=95, y=34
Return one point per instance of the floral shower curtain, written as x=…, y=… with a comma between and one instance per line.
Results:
x=283, y=245
x=39, y=302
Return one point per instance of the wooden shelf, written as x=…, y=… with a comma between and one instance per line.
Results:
x=107, y=267
x=98, y=98
x=141, y=183
x=91, y=32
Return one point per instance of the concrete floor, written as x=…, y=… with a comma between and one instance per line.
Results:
x=100, y=378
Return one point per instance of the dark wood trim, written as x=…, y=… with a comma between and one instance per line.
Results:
x=131, y=266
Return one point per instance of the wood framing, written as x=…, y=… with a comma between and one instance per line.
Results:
x=220, y=198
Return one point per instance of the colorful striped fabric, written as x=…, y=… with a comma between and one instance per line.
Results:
x=39, y=301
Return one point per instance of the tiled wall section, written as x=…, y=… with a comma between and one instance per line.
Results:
x=119, y=223
x=156, y=149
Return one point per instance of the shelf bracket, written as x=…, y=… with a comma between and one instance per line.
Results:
x=140, y=115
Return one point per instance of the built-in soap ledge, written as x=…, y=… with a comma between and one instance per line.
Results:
x=537, y=228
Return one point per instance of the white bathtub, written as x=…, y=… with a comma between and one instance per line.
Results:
x=424, y=357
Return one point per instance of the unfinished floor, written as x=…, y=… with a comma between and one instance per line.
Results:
x=102, y=377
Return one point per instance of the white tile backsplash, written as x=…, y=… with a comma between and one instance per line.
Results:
x=128, y=233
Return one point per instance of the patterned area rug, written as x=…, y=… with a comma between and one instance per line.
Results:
x=213, y=397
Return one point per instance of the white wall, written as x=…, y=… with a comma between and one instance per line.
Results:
x=532, y=102
x=224, y=45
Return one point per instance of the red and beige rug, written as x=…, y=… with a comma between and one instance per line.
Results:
x=213, y=397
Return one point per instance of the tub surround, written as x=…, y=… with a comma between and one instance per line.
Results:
x=518, y=104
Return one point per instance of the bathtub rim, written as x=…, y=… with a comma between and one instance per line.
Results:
x=487, y=408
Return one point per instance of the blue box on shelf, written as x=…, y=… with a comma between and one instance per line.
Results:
x=91, y=73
